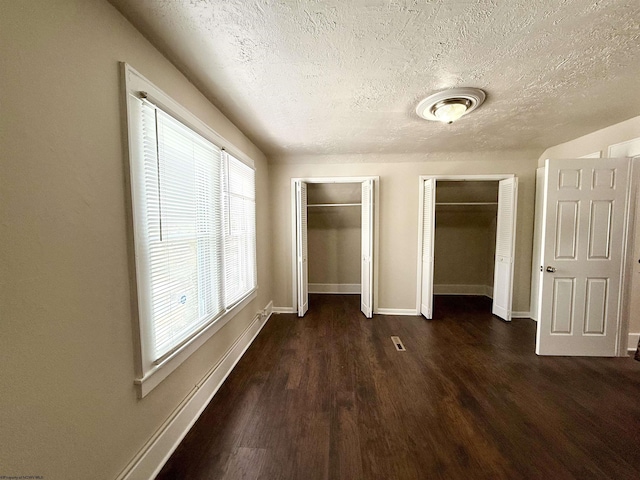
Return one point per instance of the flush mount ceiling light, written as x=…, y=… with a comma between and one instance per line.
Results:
x=449, y=105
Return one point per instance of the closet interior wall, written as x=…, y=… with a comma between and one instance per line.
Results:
x=465, y=237
x=334, y=237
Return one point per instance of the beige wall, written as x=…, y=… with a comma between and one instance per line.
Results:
x=598, y=141
x=334, y=252
x=68, y=407
x=464, y=246
x=397, y=262
x=601, y=140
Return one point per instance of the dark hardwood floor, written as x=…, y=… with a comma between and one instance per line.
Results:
x=329, y=397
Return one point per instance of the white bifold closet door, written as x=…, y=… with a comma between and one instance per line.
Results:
x=428, y=241
x=366, y=271
x=301, y=248
x=505, y=248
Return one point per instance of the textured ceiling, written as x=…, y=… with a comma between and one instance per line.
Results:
x=307, y=77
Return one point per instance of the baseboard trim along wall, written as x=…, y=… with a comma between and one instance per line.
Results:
x=380, y=311
x=414, y=313
x=633, y=341
x=444, y=289
x=150, y=460
x=284, y=310
x=397, y=311
x=350, y=288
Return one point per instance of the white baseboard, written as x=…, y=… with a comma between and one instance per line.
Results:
x=350, y=288
x=155, y=453
x=285, y=310
x=633, y=341
x=521, y=315
x=397, y=311
x=483, y=290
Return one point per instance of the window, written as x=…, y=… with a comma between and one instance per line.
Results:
x=194, y=230
x=240, y=230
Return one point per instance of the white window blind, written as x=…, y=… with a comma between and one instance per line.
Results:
x=183, y=222
x=240, y=230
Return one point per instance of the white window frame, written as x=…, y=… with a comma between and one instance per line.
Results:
x=149, y=373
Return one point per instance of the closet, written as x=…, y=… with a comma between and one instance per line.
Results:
x=334, y=234
x=467, y=239
x=333, y=241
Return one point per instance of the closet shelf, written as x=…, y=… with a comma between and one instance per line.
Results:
x=334, y=205
x=466, y=204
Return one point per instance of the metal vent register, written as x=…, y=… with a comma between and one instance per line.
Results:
x=398, y=344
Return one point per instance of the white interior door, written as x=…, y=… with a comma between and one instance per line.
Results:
x=428, y=239
x=301, y=248
x=505, y=247
x=366, y=271
x=585, y=205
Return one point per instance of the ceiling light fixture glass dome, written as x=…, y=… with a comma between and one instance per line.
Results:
x=448, y=111
x=449, y=105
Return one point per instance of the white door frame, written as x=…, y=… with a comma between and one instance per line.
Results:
x=376, y=223
x=630, y=262
x=536, y=259
x=453, y=178
x=630, y=149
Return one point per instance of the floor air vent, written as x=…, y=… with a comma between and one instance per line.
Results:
x=398, y=344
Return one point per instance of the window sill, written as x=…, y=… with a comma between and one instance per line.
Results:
x=153, y=377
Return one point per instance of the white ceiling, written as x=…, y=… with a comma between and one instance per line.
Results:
x=306, y=77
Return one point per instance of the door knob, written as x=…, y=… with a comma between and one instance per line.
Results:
x=551, y=269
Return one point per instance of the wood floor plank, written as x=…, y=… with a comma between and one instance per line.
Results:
x=244, y=464
x=329, y=397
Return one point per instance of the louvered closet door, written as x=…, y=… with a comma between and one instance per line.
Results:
x=366, y=270
x=301, y=247
x=428, y=237
x=505, y=247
